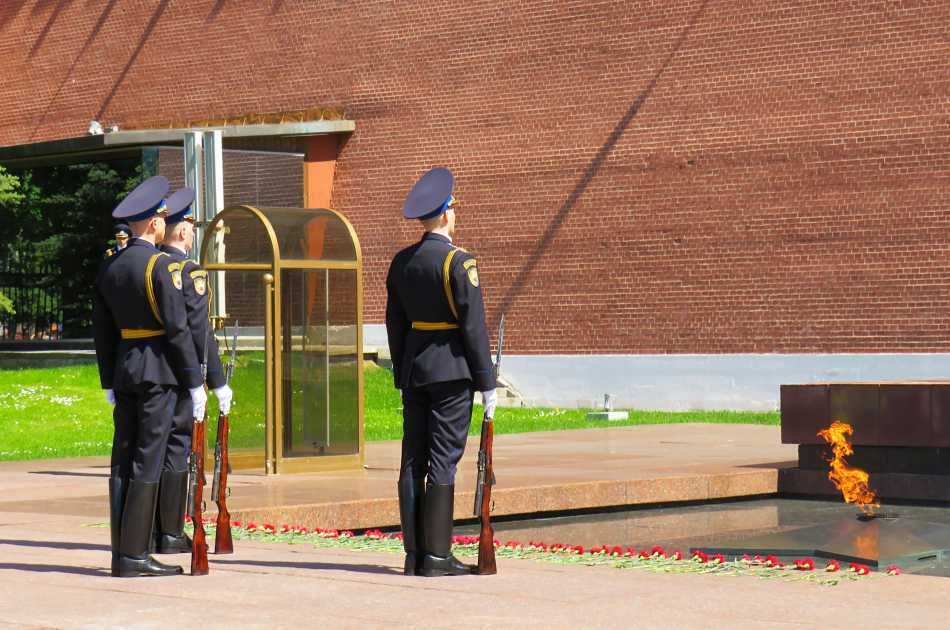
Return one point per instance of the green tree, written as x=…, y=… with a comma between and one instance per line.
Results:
x=10, y=199
x=6, y=305
x=10, y=194
x=61, y=220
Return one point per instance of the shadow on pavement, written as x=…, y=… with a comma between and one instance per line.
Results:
x=75, y=546
x=54, y=568
x=67, y=473
x=317, y=566
x=785, y=464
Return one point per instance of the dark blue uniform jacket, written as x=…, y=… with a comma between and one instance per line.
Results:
x=417, y=292
x=157, y=347
x=196, y=290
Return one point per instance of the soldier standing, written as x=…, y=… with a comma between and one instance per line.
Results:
x=122, y=233
x=145, y=352
x=178, y=242
x=435, y=319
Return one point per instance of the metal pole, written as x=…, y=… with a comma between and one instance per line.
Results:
x=213, y=203
x=193, y=179
x=269, y=378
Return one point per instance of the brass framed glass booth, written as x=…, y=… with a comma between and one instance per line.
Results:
x=291, y=279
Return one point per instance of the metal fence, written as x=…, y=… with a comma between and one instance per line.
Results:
x=35, y=290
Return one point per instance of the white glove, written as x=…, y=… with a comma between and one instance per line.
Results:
x=110, y=396
x=198, y=401
x=224, y=394
x=491, y=400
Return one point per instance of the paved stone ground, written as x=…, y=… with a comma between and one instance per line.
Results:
x=53, y=565
x=53, y=574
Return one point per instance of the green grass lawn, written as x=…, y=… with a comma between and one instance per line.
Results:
x=61, y=412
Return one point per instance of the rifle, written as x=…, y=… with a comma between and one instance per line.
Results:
x=196, y=484
x=484, y=482
x=223, y=544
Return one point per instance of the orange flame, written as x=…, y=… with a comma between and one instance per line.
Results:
x=852, y=482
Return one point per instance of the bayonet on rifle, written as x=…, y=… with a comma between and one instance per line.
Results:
x=228, y=372
x=223, y=542
x=196, y=470
x=482, y=454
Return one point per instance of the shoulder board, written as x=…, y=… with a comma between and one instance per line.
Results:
x=469, y=263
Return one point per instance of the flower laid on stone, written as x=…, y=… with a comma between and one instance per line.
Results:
x=655, y=559
x=773, y=561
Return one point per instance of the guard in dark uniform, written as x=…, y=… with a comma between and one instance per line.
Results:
x=145, y=352
x=122, y=234
x=173, y=491
x=435, y=320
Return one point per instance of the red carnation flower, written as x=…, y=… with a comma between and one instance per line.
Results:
x=805, y=565
x=718, y=558
x=699, y=556
x=233, y=523
x=832, y=566
x=893, y=570
x=677, y=555
x=774, y=562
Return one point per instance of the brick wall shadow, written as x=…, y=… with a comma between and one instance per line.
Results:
x=593, y=168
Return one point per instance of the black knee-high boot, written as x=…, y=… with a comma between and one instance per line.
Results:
x=170, y=517
x=138, y=519
x=437, y=533
x=117, y=487
x=411, y=500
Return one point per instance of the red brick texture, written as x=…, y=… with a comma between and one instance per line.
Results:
x=636, y=177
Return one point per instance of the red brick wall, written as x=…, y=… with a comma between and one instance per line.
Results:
x=666, y=176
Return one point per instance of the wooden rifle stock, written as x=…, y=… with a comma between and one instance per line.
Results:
x=486, y=535
x=223, y=543
x=199, y=546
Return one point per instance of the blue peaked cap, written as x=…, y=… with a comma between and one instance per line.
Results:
x=179, y=206
x=144, y=202
x=431, y=196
